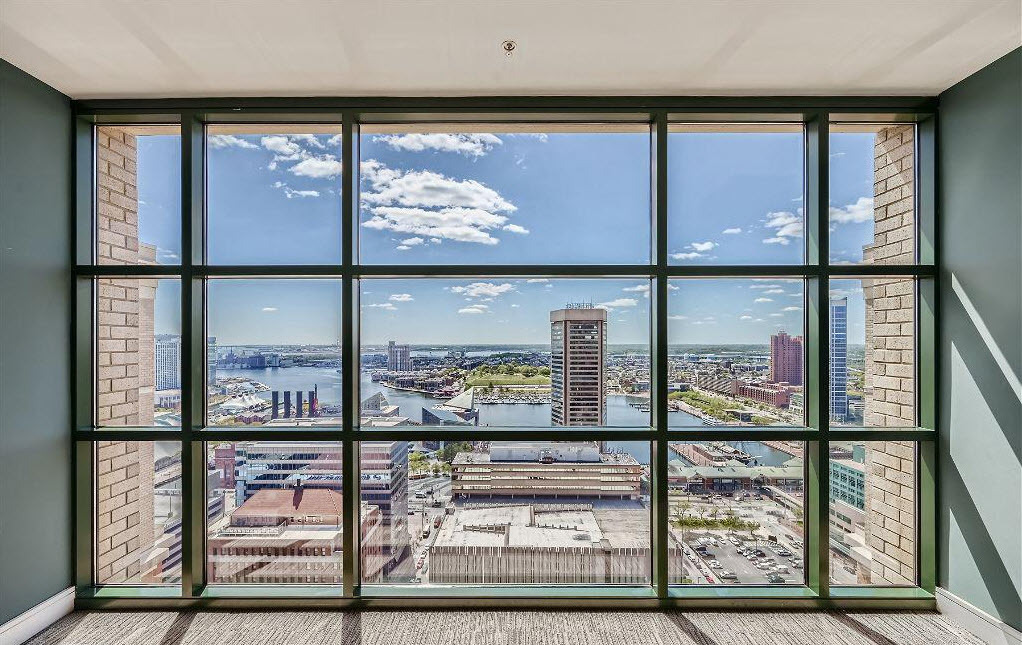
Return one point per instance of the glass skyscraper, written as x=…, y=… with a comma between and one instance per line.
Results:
x=839, y=358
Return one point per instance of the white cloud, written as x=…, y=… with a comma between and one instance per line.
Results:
x=474, y=309
x=402, y=247
x=776, y=315
x=764, y=286
x=671, y=287
x=763, y=300
x=383, y=305
x=268, y=309
x=291, y=193
x=483, y=289
x=413, y=241
x=228, y=141
x=282, y=146
x=774, y=291
x=702, y=246
x=860, y=211
x=793, y=309
x=644, y=289
x=427, y=189
x=732, y=231
x=677, y=317
x=401, y=297
x=785, y=225
x=470, y=145
x=432, y=205
x=686, y=256
x=515, y=306
x=618, y=302
x=537, y=280
x=321, y=167
x=745, y=318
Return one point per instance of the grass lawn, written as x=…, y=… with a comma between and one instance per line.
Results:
x=496, y=380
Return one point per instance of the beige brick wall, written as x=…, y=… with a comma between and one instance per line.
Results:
x=125, y=375
x=890, y=363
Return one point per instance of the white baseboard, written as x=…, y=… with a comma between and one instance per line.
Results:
x=977, y=621
x=26, y=625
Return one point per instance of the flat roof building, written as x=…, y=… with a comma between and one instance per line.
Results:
x=569, y=470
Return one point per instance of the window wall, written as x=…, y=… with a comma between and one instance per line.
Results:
x=631, y=356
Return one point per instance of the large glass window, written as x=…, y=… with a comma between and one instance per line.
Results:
x=505, y=512
x=138, y=194
x=872, y=352
x=479, y=326
x=872, y=193
x=138, y=352
x=872, y=513
x=138, y=512
x=505, y=352
x=736, y=352
x=273, y=194
x=273, y=352
x=737, y=512
x=273, y=513
x=735, y=194
x=504, y=194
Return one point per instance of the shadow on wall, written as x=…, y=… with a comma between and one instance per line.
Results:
x=974, y=351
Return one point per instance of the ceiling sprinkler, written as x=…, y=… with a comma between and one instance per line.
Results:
x=509, y=47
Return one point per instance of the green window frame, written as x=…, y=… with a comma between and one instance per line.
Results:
x=815, y=115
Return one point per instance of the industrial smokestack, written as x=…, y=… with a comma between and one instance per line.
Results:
x=275, y=404
x=312, y=403
x=287, y=404
x=298, y=406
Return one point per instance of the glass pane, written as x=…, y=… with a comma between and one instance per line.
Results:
x=872, y=194
x=138, y=352
x=505, y=194
x=504, y=512
x=735, y=194
x=872, y=513
x=138, y=512
x=736, y=512
x=736, y=352
x=273, y=194
x=274, y=513
x=872, y=352
x=274, y=354
x=505, y=352
x=138, y=194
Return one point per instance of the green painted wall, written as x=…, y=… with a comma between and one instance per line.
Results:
x=35, y=446
x=980, y=476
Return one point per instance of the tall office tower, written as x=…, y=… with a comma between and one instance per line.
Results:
x=839, y=358
x=578, y=346
x=168, y=362
x=786, y=358
x=211, y=359
x=399, y=358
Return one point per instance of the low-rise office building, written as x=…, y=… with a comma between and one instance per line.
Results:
x=545, y=469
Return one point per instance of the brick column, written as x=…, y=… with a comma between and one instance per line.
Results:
x=890, y=363
x=125, y=356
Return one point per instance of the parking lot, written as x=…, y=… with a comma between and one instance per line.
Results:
x=771, y=554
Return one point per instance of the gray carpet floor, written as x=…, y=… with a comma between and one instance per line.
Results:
x=503, y=628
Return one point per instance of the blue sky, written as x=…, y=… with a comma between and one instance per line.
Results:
x=500, y=198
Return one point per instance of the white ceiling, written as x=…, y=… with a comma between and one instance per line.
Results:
x=146, y=48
